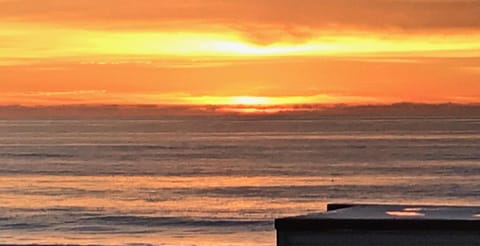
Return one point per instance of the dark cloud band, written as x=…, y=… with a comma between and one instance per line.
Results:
x=373, y=14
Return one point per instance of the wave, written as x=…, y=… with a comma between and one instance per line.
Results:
x=23, y=226
x=36, y=155
x=174, y=221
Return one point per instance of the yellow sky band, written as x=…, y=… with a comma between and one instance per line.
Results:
x=31, y=41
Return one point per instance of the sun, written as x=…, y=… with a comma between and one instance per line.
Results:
x=249, y=100
x=257, y=101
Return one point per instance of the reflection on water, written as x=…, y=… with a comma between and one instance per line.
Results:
x=405, y=213
x=220, y=182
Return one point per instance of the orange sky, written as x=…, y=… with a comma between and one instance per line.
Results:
x=239, y=51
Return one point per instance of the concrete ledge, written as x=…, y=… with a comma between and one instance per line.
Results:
x=383, y=224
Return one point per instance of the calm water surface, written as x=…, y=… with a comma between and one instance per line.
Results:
x=219, y=181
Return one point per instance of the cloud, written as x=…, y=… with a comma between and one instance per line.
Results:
x=53, y=97
x=64, y=93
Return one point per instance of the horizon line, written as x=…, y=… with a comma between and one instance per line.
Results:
x=149, y=111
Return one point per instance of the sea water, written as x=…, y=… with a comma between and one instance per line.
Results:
x=220, y=180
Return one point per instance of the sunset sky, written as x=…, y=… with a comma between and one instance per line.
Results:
x=239, y=52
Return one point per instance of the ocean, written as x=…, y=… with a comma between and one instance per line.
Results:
x=220, y=180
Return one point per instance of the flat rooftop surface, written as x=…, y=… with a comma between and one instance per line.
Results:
x=386, y=217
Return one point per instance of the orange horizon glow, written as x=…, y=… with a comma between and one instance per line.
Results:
x=151, y=53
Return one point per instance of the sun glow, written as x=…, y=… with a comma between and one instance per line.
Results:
x=264, y=101
x=248, y=100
